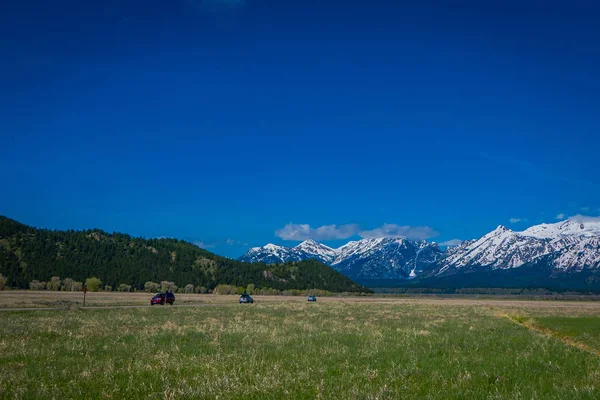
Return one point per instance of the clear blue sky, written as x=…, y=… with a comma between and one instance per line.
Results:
x=222, y=121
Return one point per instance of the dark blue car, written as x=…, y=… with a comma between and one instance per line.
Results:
x=246, y=299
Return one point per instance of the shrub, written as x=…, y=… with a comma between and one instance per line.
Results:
x=225, y=289
x=2, y=282
x=37, y=285
x=93, y=284
x=250, y=288
x=170, y=286
x=67, y=285
x=201, y=290
x=54, y=283
x=151, y=287
x=123, y=288
x=189, y=288
x=107, y=288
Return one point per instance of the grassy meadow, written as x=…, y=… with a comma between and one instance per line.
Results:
x=283, y=348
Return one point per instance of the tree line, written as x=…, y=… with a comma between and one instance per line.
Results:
x=118, y=260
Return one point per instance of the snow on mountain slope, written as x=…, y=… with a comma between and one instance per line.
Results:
x=501, y=248
x=381, y=258
x=573, y=244
x=574, y=226
x=566, y=246
x=356, y=248
x=386, y=258
x=271, y=254
x=577, y=255
x=322, y=252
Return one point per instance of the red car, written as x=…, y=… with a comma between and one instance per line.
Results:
x=162, y=298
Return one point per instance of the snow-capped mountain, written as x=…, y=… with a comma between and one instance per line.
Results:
x=578, y=226
x=271, y=253
x=317, y=250
x=569, y=246
x=573, y=245
x=381, y=258
x=386, y=258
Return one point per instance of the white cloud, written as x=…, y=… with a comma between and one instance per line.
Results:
x=393, y=230
x=325, y=232
x=453, y=242
x=515, y=220
x=560, y=216
x=211, y=245
x=583, y=218
x=204, y=245
x=233, y=242
x=332, y=232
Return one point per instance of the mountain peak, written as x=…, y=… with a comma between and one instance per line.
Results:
x=578, y=225
x=316, y=250
x=308, y=241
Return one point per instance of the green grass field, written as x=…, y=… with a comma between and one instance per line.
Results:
x=582, y=330
x=291, y=349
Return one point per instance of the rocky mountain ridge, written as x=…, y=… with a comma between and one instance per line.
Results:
x=569, y=246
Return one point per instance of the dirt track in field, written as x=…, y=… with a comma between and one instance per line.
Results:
x=26, y=300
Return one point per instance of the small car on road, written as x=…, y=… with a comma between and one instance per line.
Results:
x=162, y=298
x=246, y=299
x=312, y=298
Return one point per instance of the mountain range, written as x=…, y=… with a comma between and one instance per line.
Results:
x=545, y=252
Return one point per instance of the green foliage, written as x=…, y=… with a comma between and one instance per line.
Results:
x=67, y=285
x=189, y=288
x=28, y=254
x=201, y=290
x=151, y=287
x=37, y=285
x=93, y=284
x=107, y=288
x=250, y=288
x=54, y=284
x=2, y=282
x=123, y=288
x=225, y=289
x=170, y=286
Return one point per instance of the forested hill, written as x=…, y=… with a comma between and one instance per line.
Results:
x=28, y=254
